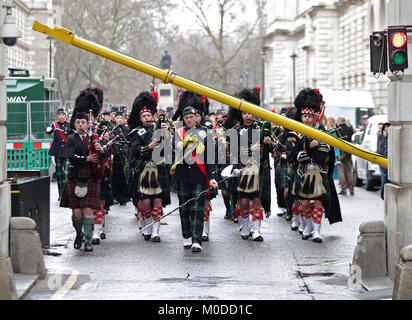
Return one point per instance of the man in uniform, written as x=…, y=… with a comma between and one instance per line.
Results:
x=82, y=190
x=193, y=174
x=119, y=164
x=313, y=185
x=61, y=129
x=150, y=189
x=254, y=183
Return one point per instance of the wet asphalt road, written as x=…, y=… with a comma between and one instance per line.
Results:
x=284, y=267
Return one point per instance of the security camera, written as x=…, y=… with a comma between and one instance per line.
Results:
x=377, y=38
x=9, y=31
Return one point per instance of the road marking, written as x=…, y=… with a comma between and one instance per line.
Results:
x=67, y=286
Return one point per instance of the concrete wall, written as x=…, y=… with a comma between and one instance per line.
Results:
x=5, y=206
x=398, y=194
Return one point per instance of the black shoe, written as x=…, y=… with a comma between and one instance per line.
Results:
x=235, y=220
x=260, y=239
x=227, y=216
x=156, y=239
x=147, y=237
x=294, y=228
x=342, y=193
x=88, y=247
x=102, y=236
x=122, y=203
x=289, y=216
x=318, y=240
x=352, y=193
x=306, y=237
x=95, y=241
x=245, y=237
x=205, y=238
x=78, y=240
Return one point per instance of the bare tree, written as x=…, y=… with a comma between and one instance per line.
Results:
x=128, y=26
x=228, y=35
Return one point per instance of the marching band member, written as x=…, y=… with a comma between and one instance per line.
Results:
x=82, y=191
x=193, y=175
x=61, y=129
x=281, y=167
x=119, y=163
x=254, y=183
x=219, y=130
x=313, y=181
x=150, y=179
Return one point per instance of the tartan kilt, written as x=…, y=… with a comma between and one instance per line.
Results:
x=91, y=200
x=264, y=192
x=298, y=187
x=281, y=174
x=162, y=178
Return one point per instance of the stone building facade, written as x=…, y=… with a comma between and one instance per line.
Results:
x=331, y=41
x=33, y=49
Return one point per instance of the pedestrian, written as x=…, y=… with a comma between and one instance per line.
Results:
x=382, y=149
x=331, y=124
x=313, y=184
x=193, y=174
x=345, y=170
x=82, y=191
x=60, y=129
x=362, y=125
x=150, y=186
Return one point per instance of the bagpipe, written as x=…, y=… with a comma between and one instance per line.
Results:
x=98, y=168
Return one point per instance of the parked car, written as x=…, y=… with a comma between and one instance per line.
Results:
x=363, y=170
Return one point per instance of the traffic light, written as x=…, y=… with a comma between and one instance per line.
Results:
x=379, y=52
x=397, y=48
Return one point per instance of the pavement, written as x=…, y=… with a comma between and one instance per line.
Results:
x=283, y=267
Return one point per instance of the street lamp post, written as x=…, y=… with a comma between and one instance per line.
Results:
x=262, y=55
x=294, y=56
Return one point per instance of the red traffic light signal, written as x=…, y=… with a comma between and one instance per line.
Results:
x=397, y=48
x=399, y=39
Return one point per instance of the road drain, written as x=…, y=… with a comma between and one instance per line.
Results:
x=316, y=274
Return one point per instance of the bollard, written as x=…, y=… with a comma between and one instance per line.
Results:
x=369, y=257
x=25, y=247
x=402, y=288
x=7, y=282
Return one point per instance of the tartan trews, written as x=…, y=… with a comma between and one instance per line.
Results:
x=191, y=215
x=62, y=170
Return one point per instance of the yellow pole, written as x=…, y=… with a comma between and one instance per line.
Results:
x=168, y=76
